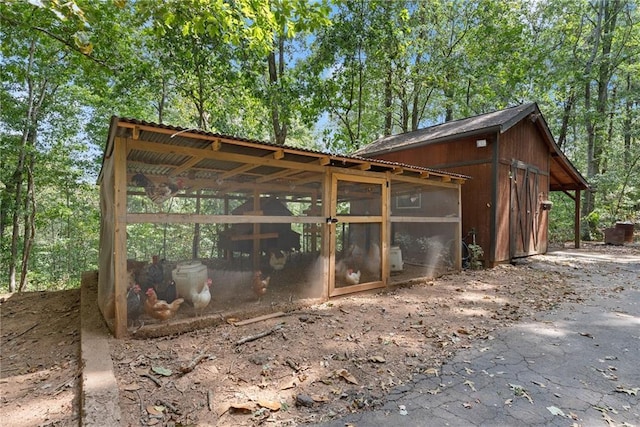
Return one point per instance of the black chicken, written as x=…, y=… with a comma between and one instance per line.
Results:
x=134, y=304
x=169, y=293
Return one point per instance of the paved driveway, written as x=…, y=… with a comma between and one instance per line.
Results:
x=576, y=365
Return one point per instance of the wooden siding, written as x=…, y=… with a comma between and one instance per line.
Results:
x=465, y=158
x=522, y=145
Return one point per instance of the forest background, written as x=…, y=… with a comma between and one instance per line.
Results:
x=327, y=75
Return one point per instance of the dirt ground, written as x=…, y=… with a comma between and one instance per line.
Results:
x=306, y=366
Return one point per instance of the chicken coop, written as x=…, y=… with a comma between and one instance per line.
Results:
x=514, y=163
x=196, y=225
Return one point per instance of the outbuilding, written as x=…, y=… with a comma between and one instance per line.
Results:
x=514, y=163
x=269, y=225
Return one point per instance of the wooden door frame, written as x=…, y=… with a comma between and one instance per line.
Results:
x=381, y=219
x=524, y=199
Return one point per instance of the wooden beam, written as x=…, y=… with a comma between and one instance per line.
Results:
x=363, y=166
x=255, y=236
x=446, y=178
x=237, y=171
x=216, y=145
x=230, y=157
x=424, y=174
x=277, y=175
x=279, y=154
x=397, y=170
x=323, y=161
x=135, y=132
x=162, y=218
x=186, y=165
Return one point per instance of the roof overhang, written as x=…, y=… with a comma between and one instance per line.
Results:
x=182, y=147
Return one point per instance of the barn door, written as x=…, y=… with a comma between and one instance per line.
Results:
x=524, y=215
x=357, y=230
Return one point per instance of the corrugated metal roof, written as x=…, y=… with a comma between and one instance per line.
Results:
x=141, y=158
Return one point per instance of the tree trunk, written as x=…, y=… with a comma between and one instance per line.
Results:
x=29, y=220
x=590, y=120
x=566, y=115
x=18, y=174
x=276, y=72
x=627, y=124
x=388, y=100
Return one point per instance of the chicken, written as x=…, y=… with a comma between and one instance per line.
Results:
x=259, y=284
x=151, y=275
x=169, y=293
x=352, y=277
x=159, y=309
x=201, y=298
x=158, y=193
x=277, y=260
x=134, y=304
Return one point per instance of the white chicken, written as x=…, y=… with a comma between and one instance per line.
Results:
x=201, y=298
x=352, y=277
x=277, y=262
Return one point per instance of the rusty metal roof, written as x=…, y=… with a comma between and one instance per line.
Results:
x=164, y=150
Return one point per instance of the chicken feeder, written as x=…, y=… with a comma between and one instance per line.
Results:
x=189, y=276
x=395, y=258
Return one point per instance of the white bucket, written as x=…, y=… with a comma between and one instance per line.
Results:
x=395, y=258
x=189, y=276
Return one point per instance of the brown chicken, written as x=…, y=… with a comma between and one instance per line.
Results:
x=159, y=309
x=259, y=284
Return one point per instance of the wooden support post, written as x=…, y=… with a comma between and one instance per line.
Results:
x=120, y=237
x=576, y=221
x=256, y=231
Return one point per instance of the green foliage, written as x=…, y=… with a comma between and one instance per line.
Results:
x=332, y=76
x=476, y=255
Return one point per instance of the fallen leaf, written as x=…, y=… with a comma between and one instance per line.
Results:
x=162, y=371
x=270, y=404
x=556, y=411
x=586, y=334
x=431, y=371
x=155, y=410
x=402, y=410
x=244, y=408
x=318, y=398
x=630, y=391
x=519, y=391
x=470, y=384
x=221, y=409
x=347, y=376
x=377, y=359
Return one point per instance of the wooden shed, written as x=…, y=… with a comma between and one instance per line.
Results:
x=186, y=205
x=514, y=163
